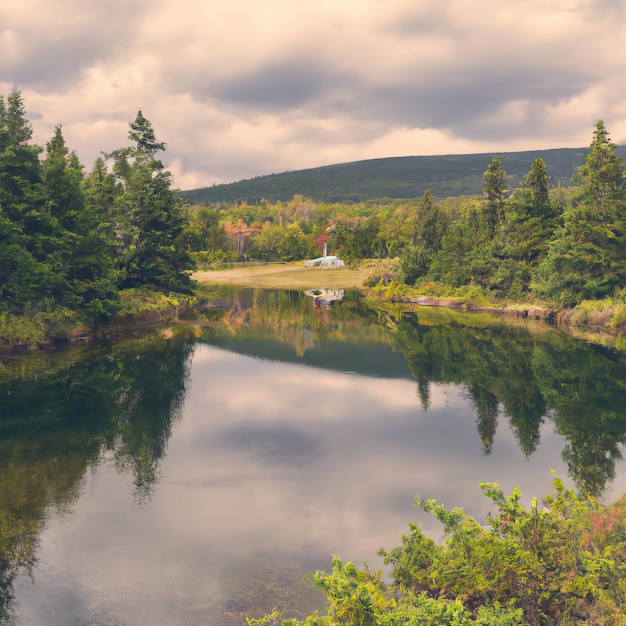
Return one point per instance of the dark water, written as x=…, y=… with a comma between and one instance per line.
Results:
x=195, y=480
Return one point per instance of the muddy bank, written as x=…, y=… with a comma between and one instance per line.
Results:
x=601, y=325
x=529, y=312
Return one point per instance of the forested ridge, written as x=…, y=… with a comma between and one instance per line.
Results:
x=392, y=177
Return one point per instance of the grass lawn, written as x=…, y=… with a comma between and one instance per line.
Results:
x=285, y=276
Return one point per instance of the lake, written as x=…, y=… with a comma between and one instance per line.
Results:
x=195, y=480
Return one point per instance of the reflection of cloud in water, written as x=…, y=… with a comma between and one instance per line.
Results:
x=273, y=444
x=378, y=447
x=275, y=458
x=258, y=390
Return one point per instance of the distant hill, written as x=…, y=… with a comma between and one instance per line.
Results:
x=395, y=177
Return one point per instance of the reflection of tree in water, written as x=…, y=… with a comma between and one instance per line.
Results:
x=18, y=543
x=56, y=423
x=530, y=378
x=486, y=406
x=506, y=370
x=151, y=402
x=586, y=390
x=423, y=391
x=492, y=362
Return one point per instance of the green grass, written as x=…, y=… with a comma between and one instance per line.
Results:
x=288, y=276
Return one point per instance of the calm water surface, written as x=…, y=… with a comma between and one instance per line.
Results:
x=195, y=481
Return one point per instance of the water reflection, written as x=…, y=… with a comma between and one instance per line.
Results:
x=60, y=417
x=325, y=297
x=530, y=375
x=194, y=481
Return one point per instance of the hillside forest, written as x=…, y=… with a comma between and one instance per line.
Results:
x=393, y=177
x=72, y=242
x=556, y=245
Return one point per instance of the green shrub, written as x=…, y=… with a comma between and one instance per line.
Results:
x=382, y=273
x=18, y=330
x=562, y=562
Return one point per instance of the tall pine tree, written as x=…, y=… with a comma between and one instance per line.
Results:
x=495, y=186
x=27, y=276
x=83, y=258
x=587, y=258
x=150, y=232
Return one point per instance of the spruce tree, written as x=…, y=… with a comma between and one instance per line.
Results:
x=150, y=233
x=603, y=174
x=82, y=256
x=587, y=258
x=495, y=188
x=428, y=224
x=27, y=276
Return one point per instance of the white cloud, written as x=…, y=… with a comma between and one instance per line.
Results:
x=242, y=88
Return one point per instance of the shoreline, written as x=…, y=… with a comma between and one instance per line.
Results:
x=596, y=322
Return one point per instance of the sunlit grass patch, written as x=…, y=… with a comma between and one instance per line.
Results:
x=286, y=276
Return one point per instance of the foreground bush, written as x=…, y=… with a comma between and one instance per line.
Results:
x=359, y=598
x=562, y=562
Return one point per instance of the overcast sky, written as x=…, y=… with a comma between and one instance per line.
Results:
x=241, y=88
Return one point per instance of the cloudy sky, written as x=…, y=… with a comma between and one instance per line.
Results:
x=241, y=88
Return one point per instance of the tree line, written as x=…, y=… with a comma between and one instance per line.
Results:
x=70, y=242
x=536, y=242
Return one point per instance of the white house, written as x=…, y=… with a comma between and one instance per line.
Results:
x=325, y=261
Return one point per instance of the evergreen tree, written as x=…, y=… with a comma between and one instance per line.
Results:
x=18, y=129
x=82, y=256
x=429, y=224
x=62, y=176
x=495, y=188
x=535, y=190
x=4, y=131
x=466, y=254
x=101, y=191
x=587, y=259
x=603, y=175
x=150, y=235
x=531, y=220
x=27, y=278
